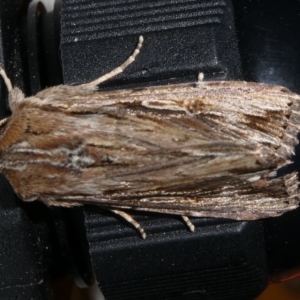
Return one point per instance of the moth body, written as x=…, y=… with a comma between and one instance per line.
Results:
x=216, y=149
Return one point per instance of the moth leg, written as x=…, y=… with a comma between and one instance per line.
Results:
x=188, y=222
x=200, y=76
x=93, y=85
x=6, y=79
x=129, y=219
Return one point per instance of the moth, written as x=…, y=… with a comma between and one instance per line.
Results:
x=204, y=149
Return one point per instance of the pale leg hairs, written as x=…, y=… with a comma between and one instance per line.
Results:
x=138, y=226
x=132, y=221
x=188, y=223
x=93, y=85
x=200, y=76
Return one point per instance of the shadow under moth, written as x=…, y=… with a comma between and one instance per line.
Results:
x=213, y=149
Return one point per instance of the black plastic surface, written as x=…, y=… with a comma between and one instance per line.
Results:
x=268, y=35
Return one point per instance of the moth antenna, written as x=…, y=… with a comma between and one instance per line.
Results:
x=118, y=70
x=6, y=80
x=188, y=222
x=129, y=219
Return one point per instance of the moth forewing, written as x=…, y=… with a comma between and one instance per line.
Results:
x=200, y=149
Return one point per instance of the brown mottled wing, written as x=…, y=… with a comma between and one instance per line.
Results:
x=205, y=149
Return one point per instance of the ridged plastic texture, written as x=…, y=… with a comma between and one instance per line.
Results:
x=191, y=286
x=182, y=38
x=87, y=19
x=173, y=263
